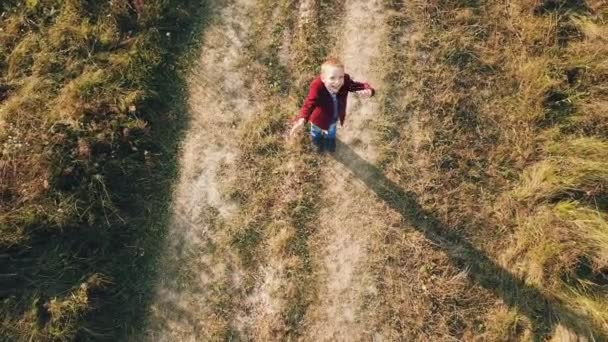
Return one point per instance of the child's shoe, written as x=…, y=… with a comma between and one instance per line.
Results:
x=317, y=145
x=330, y=145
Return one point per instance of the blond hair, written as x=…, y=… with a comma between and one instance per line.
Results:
x=331, y=62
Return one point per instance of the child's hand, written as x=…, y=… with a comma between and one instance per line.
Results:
x=297, y=126
x=365, y=93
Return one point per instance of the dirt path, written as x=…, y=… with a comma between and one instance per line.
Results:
x=188, y=304
x=352, y=269
x=349, y=213
x=187, y=297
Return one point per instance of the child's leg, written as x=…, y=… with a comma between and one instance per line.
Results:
x=331, y=137
x=316, y=136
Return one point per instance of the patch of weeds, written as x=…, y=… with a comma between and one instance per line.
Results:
x=561, y=6
x=246, y=242
x=585, y=272
x=568, y=32
x=573, y=75
x=460, y=57
x=459, y=3
x=558, y=107
x=4, y=91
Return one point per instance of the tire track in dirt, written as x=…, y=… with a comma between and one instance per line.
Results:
x=423, y=294
x=193, y=290
x=349, y=212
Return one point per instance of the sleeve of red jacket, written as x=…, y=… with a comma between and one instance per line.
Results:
x=357, y=86
x=311, y=101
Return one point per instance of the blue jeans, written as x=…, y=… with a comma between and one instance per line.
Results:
x=317, y=133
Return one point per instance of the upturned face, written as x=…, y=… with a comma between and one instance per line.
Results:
x=333, y=78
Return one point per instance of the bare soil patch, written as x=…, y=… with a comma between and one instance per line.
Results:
x=197, y=277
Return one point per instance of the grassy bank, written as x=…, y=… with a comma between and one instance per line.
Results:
x=499, y=129
x=91, y=106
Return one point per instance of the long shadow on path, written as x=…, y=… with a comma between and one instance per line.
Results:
x=543, y=312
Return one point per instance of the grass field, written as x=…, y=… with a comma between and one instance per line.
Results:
x=477, y=188
x=499, y=128
x=91, y=108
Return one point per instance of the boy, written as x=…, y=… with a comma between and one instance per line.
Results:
x=326, y=104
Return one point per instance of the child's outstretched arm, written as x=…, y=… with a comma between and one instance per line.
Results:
x=299, y=123
x=362, y=88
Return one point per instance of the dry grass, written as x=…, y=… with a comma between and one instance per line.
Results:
x=275, y=184
x=498, y=127
x=86, y=156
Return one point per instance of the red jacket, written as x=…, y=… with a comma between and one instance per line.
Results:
x=318, y=108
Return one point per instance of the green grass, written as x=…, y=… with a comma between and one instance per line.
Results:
x=89, y=122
